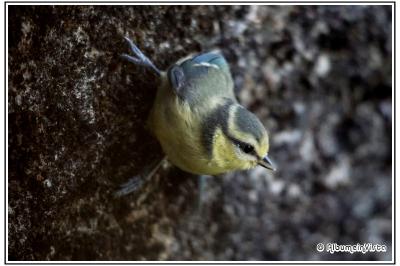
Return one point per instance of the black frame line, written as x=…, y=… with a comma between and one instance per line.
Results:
x=393, y=3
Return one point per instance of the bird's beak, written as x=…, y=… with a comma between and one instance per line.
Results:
x=267, y=163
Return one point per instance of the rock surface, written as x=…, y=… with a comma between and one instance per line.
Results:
x=318, y=77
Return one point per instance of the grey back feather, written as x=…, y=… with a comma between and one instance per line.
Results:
x=201, y=77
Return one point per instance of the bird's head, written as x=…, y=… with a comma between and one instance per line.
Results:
x=241, y=141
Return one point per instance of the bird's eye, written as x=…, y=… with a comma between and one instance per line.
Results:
x=247, y=148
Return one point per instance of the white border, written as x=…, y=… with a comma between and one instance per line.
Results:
x=4, y=14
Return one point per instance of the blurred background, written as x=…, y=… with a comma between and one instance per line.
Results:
x=319, y=77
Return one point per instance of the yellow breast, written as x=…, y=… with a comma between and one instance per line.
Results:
x=177, y=128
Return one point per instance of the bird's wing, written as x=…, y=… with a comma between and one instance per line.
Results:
x=200, y=77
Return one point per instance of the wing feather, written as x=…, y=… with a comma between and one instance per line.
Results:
x=201, y=76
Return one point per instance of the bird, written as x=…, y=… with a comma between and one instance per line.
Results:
x=201, y=126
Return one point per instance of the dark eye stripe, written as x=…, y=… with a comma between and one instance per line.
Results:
x=243, y=146
x=217, y=119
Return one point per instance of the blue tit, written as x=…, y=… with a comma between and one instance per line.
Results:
x=197, y=119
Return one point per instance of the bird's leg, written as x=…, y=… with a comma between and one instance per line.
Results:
x=136, y=182
x=139, y=58
x=202, y=179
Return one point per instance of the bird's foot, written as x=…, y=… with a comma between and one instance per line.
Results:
x=138, y=57
x=202, y=180
x=135, y=183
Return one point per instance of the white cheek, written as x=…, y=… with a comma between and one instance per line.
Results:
x=238, y=152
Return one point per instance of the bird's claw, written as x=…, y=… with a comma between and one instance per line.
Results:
x=139, y=58
x=134, y=48
x=133, y=59
x=132, y=185
x=135, y=183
